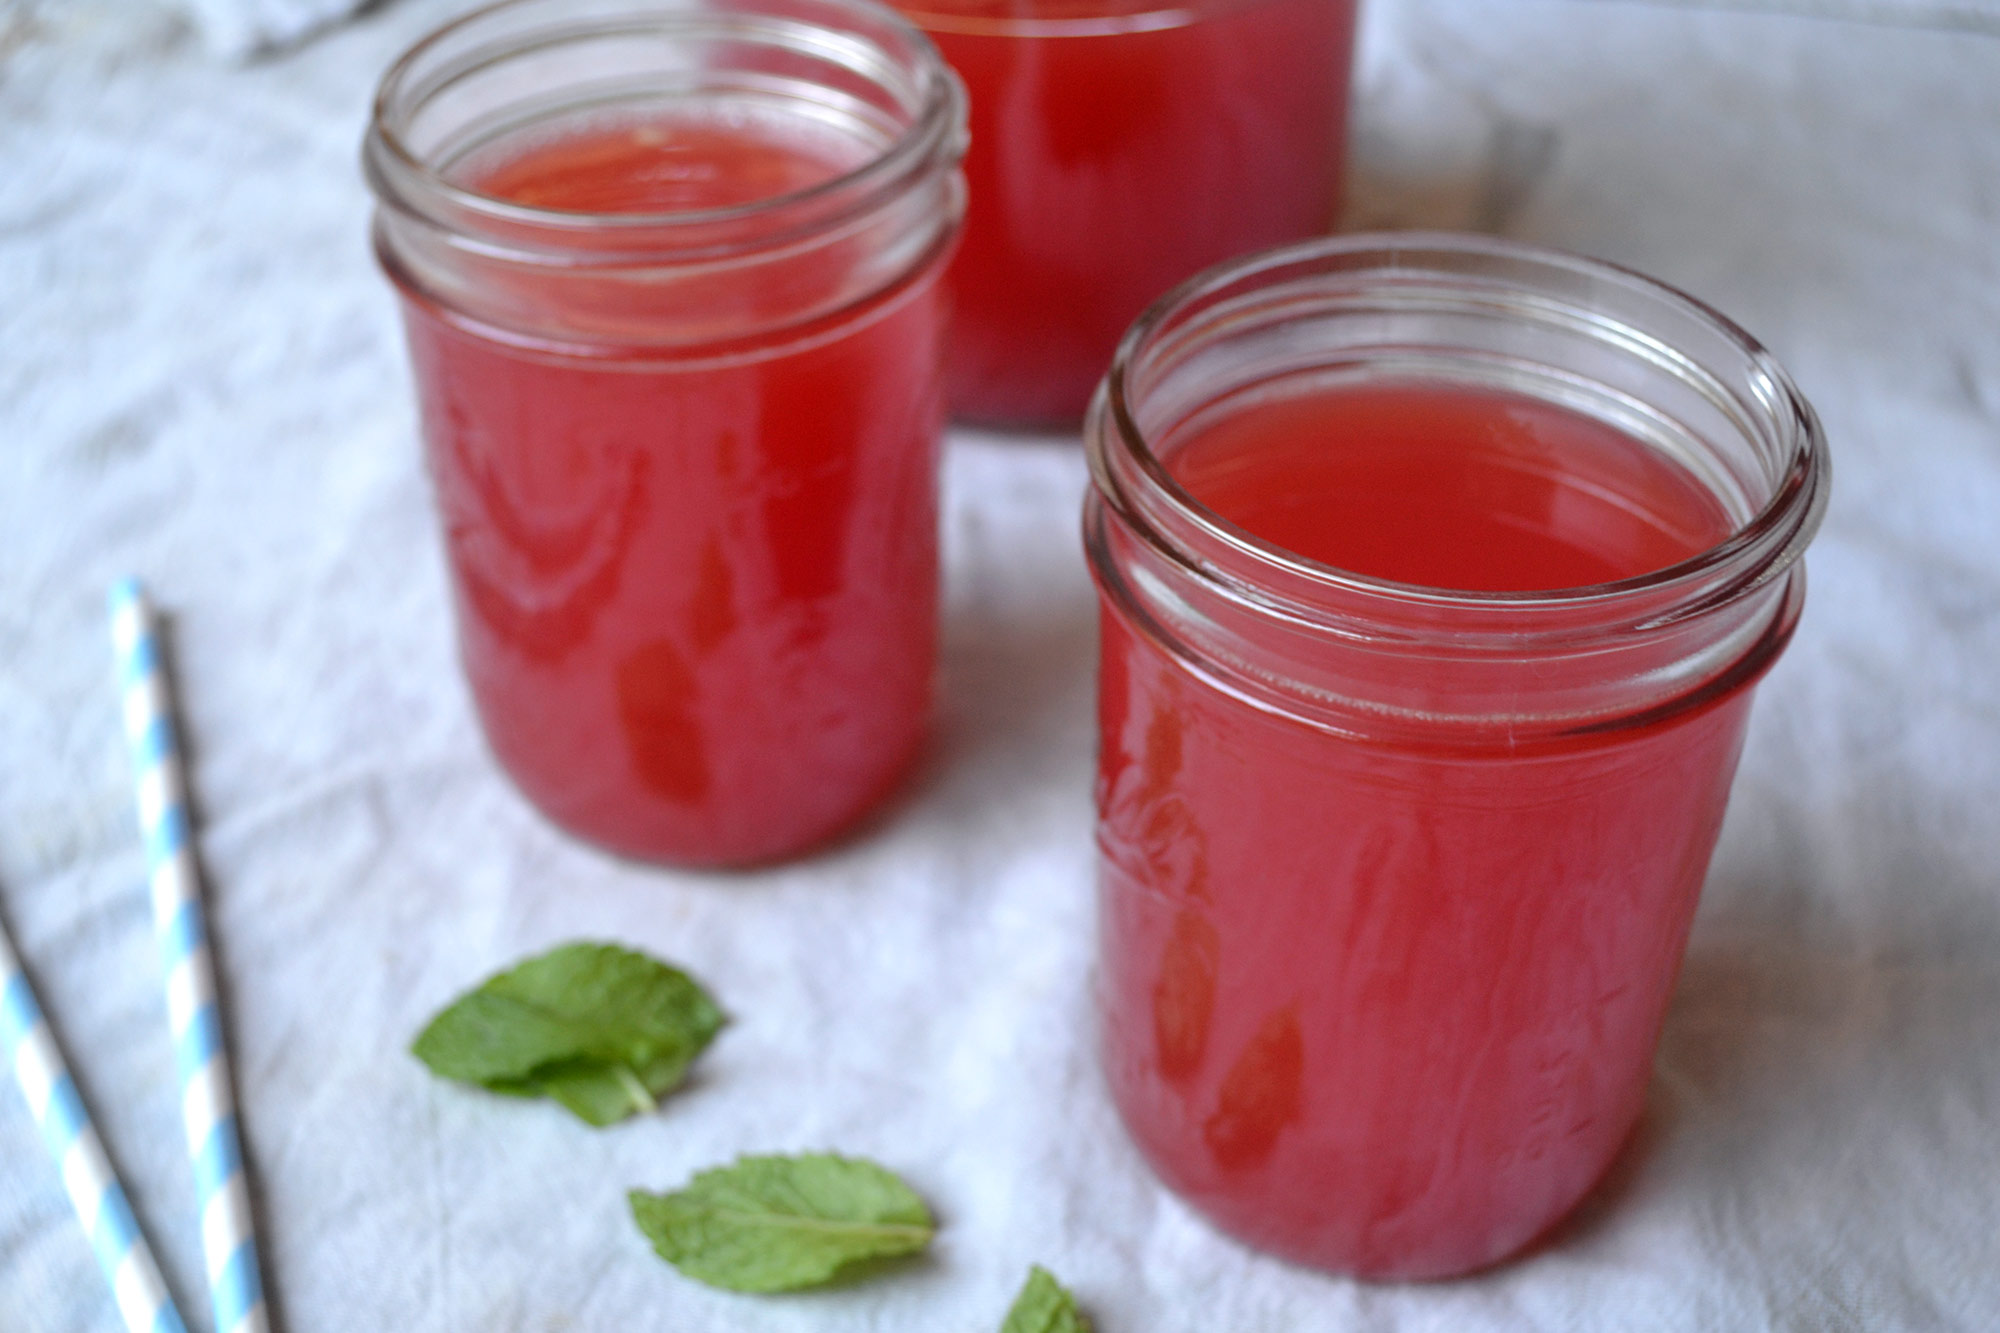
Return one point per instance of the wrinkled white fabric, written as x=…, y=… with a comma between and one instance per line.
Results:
x=201, y=381
x=235, y=29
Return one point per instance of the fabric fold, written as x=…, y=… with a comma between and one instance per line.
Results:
x=241, y=29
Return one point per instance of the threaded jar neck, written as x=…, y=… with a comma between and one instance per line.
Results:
x=526, y=71
x=1483, y=314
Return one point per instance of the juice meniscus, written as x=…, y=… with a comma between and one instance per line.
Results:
x=1430, y=617
x=1119, y=146
x=677, y=349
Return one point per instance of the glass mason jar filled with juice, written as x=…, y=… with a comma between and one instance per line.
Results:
x=1119, y=146
x=670, y=274
x=1435, y=574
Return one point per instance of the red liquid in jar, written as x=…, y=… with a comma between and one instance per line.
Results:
x=1465, y=489
x=677, y=166
x=1118, y=148
x=696, y=598
x=1391, y=1010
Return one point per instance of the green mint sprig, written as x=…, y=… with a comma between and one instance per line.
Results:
x=603, y=1030
x=782, y=1223
x=1044, y=1306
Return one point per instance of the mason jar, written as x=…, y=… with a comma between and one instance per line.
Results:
x=670, y=273
x=1118, y=147
x=1436, y=574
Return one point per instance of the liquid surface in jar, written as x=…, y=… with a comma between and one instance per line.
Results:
x=1474, y=490
x=1379, y=1004
x=1116, y=149
x=696, y=600
x=665, y=165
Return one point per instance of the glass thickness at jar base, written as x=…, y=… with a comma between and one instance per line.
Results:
x=1117, y=149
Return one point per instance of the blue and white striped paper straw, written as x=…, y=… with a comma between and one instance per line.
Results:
x=93, y=1190
x=208, y=1104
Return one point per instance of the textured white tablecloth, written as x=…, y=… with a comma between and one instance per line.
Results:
x=244, y=28
x=201, y=381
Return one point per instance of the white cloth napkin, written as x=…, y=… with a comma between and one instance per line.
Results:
x=201, y=379
x=1950, y=15
x=237, y=29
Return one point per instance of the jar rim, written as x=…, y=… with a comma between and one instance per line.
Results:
x=1123, y=460
x=936, y=125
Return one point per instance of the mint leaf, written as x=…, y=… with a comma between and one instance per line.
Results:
x=782, y=1223
x=601, y=1029
x=1044, y=1307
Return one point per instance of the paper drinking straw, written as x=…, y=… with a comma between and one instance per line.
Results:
x=208, y=1104
x=93, y=1190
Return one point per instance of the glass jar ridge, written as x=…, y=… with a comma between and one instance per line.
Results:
x=1474, y=312
x=664, y=283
